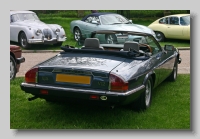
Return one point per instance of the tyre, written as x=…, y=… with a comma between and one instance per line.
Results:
x=173, y=76
x=13, y=69
x=58, y=44
x=144, y=100
x=77, y=34
x=23, y=41
x=111, y=39
x=160, y=36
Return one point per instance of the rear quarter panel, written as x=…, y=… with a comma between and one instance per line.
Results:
x=186, y=32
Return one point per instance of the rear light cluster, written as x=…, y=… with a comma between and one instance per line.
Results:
x=31, y=75
x=117, y=84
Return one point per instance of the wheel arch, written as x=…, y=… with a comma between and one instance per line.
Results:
x=11, y=54
x=160, y=32
x=152, y=75
x=75, y=28
x=20, y=34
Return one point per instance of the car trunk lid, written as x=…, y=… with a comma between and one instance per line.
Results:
x=82, y=71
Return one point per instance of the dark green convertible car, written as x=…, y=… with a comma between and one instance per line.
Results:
x=104, y=71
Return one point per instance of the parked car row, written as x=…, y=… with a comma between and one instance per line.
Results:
x=27, y=29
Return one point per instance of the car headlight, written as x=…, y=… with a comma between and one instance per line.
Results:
x=38, y=32
x=57, y=31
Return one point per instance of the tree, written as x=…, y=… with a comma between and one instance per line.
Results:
x=80, y=13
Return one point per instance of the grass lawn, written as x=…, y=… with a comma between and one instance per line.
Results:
x=170, y=109
x=65, y=23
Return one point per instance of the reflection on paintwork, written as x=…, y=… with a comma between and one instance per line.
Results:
x=85, y=61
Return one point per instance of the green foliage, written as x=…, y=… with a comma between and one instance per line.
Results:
x=133, y=13
x=170, y=109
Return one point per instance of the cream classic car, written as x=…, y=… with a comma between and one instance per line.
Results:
x=173, y=27
x=26, y=29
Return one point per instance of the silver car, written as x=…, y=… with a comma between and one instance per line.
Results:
x=26, y=29
x=104, y=21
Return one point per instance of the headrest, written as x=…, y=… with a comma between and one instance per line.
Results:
x=131, y=45
x=91, y=42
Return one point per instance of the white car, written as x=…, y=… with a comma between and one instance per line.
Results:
x=26, y=29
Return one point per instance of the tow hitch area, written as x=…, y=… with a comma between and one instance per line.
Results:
x=32, y=98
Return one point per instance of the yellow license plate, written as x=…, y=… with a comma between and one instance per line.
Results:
x=73, y=79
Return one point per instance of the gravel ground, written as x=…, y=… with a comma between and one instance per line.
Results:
x=35, y=58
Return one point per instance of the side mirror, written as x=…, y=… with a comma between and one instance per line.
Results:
x=95, y=22
x=169, y=47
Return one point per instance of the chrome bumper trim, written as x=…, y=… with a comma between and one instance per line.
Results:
x=85, y=90
x=46, y=40
x=126, y=93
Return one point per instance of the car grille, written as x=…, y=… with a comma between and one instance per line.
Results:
x=47, y=34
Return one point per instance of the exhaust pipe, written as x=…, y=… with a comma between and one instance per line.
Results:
x=112, y=107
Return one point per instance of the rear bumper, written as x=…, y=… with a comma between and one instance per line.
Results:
x=84, y=94
x=20, y=60
x=179, y=61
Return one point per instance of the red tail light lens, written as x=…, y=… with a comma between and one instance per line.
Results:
x=31, y=75
x=117, y=84
x=94, y=97
x=44, y=92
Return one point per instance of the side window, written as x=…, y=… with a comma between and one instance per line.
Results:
x=153, y=44
x=96, y=18
x=163, y=20
x=89, y=19
x=13, y=18
x=92, y=18
x=174, y=20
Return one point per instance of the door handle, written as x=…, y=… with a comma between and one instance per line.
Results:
x=158, y=58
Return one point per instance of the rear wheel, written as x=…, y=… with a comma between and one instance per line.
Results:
x=23, y=41
x=13, y=69
x=160, y=36
x=144, y=101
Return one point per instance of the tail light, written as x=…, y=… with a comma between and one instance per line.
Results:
x=117, y=84
x=31, y=75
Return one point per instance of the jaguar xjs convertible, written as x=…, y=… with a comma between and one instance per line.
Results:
x=118, y=73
